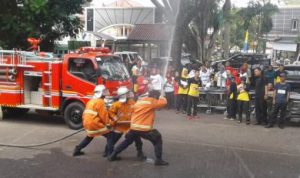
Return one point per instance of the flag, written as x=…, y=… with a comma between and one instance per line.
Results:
x=245, y=49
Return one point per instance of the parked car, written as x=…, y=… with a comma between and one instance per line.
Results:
x=293, y=78
x=130, y=55
x=254, y=60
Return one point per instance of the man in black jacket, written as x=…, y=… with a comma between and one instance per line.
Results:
x=260, y=103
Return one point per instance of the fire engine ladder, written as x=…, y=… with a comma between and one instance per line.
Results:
x=11, y=54
x=48, y=83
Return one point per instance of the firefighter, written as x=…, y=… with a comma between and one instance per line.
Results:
x=96, y=121
x=120, y=114
x=142, y=126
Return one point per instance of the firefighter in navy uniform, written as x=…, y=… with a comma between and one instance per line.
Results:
x=142, y=121
x=120, y=113
x=280, y=101
x=96, y=121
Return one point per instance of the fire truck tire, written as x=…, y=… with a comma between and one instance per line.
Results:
x=73, y=114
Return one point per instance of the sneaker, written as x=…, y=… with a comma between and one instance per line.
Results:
x=232, y=119
x=226, y=118
x=190, y=117
x=239, y=122
x=197, y=117
x=183, y=112
x=161, y=162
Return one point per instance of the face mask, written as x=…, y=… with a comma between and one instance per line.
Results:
x=123, y=99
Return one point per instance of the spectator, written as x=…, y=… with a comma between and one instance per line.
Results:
x=176, y=87
x=279, y=72
x=128, y=65
x=269, y=99
x=231, y=102
x=193, y=95
x=156, y=80
x=221, y=77
x=169, y=90
x=280, y=101
x=183, y=91
x=270, y=74
x=260, y=103
x=243, y=101
x=244, y=72
x=136, y=71
x=204, y=76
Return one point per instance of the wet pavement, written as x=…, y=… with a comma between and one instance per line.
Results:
x=208, y=147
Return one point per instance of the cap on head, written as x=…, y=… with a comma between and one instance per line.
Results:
x=99, y=91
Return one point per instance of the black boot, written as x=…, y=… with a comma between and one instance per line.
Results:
x=141, y=156
x=269, y=126
x=77, y=151
x=105, y=154
x=113, y=157
x=160, y=162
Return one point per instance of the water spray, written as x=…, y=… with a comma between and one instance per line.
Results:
x=169, y=53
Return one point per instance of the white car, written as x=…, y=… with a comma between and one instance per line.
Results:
x=130, y=55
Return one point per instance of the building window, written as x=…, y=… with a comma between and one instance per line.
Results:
x=295, y=24
x=90, y=20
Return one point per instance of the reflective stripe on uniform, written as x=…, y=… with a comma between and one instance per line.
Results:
x=90, y=132
x=141, y=126
x=142, y=102
x=88, y=111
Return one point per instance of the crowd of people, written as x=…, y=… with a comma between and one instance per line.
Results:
x=271, y=92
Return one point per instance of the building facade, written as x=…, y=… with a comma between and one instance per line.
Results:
x=285, y=33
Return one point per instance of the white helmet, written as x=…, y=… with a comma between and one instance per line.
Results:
x=99, y=91
x=122, y=91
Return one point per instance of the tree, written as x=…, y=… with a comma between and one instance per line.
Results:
x=257, y=18
x=45, y=19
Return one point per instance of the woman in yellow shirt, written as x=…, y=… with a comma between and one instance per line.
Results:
x=183, y=91
x=243, y=100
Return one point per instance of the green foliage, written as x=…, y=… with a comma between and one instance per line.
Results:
x=45, y=19
x=256, y=18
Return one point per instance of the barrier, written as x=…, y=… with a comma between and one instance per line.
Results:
x=215, y=99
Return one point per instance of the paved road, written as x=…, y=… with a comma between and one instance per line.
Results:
x=209, y=147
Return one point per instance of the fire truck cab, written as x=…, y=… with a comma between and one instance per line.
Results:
x=40, y=81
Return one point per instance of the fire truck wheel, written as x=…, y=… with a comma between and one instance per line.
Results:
x=73, y=114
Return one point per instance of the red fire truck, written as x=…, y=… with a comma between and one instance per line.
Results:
x=38, y=80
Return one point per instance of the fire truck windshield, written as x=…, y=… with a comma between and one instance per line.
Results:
x=112, y=68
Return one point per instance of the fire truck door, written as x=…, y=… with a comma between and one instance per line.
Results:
x=80, y=79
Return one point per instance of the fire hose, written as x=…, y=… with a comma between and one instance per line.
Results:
x=41, y=144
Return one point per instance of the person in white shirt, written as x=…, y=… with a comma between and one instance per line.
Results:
x=221, y=77
x=204, y=76
x=169, y=90
x=156, y=80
